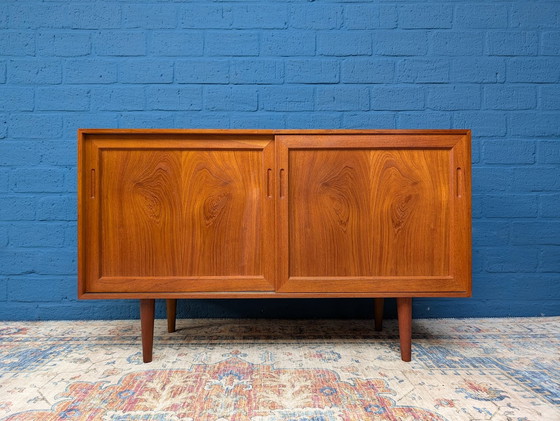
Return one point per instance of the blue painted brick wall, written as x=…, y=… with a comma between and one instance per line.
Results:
x=493, y=67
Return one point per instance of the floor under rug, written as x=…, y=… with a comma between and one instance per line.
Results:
x=280, y=370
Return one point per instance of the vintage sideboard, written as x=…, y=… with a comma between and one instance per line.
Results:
x=171, y=214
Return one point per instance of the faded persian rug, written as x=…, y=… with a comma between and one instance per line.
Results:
x=281, y=370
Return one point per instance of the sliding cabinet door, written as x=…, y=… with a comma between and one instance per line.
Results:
x=378, y=213
x=184, y=213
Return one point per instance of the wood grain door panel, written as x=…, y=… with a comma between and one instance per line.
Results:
x=371, y=214
x=189, y=216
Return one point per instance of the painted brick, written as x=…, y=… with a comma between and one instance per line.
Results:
x=56, y=153
x=56, y=208
x=478, y=70
x=456, y=97
x=13, y=262
x=510, y=206
x=62, y=99
x=535, y=124
x=313, y=119
x=536, y=179
x=549, y=152
x=524, y=43
x=33, y=289
x=173, y=43
x=120, y=43
x=400, y=43
x=203, y=119
x=361, y=16
x=71, y=235
x=490, y=233
x=34, y=71
x=315, y=16
x=90, y=71
x=342, y=43
x=93, y=16
x=252, y=121
x=429, y=16
x=118, y=99
x=36, y=126
x=34, y=15
x=265, y=16
x=388, y=16
x=533, y=70
x=149, y=120
x=526, y=15
x=3, y=125
x=292, y=43
x=397, y=98
x=231, y=44
x=63, y=44
x=171, y=98
x=74, y=121
x=3, y=236
x=413, y=70
x=361, y=70
x=16, y=98
x=286, y=98
x=56, y=262
x=146, y=71
x=30, y=180
x=3, y=17
x=312, y=71
x=550, y=45
x=507, y=97
x=549, y=97
x=17, y=43
x=21, y=208
x=149, y=16
x=484, y=16
x=367, y=120
x=509, y=152
x=3, y=72
x=205, y=16
x=456, y=43
x=549, y=206
x=342, y=98
x=512, y=259
x=257, y=71
x=550, y=260
x=424, y=120
x=536, y=233
x=491, y=179
x=38, y=234
x=485, y=123
x=202, y=71
x=19, y=152
x=224, y=98
x=70, y=180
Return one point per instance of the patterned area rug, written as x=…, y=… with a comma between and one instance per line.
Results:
x=278, y=370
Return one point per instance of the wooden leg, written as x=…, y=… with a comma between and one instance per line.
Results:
x=379, y=314
x=147, y=308
x=404, y=309
x=171, y=315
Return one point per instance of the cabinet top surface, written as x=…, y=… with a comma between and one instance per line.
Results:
x=276, y=132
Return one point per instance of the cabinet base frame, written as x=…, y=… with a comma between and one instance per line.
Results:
x=147, y=316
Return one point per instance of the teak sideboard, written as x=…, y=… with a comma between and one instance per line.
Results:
x=176, y=214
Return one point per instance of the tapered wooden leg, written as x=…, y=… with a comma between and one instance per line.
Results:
x=404, y=309
x=379, y=314
x=147, y=308
x=171, y=315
